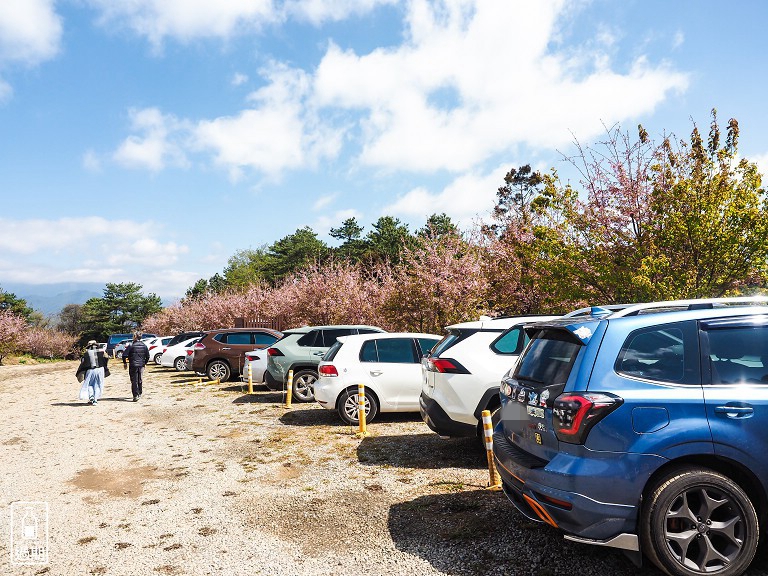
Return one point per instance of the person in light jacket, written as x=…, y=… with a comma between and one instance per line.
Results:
x=91, y=373
x=137, y=355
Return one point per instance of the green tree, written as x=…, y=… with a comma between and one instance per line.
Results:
x=350, y=233
x=12, y=303
x=295, y=251
x=387, y=240
x=122, y=309
x=710, y=218
x=71, y=319
x=198, y=290
x=438, y=225
x=247, y=267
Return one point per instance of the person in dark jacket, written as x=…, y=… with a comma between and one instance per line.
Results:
x=137, y=355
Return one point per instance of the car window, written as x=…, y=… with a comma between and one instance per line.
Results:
x=426, y=344
x=238, y=338
x=448, y=340
x=308, y=339
x=332, y=351
x=165, y=341
x=368, y=352
x=396, y=350
x=367, y=331
x=549, y=358
x=510, y=342
x=329, y=336
x=666, y=353
x=264, y=339
x=219, y=338
x=738, y=355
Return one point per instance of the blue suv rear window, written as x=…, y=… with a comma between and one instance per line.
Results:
x=549, y=358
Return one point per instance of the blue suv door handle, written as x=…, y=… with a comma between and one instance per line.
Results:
x=735, y=411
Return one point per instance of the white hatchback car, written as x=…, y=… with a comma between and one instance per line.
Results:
x=462, y=374
x=176, y=356
x=388, y=364
x=257, y=360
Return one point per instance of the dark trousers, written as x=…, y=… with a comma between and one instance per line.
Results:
x=136, y=373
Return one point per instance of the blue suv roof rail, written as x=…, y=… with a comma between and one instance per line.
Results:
x=692, y=304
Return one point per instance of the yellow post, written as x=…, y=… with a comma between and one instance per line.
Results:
x=495, y=480
x=363, y=431
x=250, y=379
x=289, y=391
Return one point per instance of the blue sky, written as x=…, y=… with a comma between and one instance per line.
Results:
x=148, y=140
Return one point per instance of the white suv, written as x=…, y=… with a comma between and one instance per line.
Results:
x=462, y=374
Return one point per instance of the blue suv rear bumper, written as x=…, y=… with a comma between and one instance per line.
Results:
x=593, y=498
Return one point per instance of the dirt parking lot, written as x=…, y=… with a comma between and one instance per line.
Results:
x=199, y=480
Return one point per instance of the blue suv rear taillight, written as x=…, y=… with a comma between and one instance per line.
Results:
x=574, y=414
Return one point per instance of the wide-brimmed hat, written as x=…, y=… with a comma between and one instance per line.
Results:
x=92, y=343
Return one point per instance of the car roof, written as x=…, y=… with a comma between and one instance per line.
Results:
x=305, y=329
x=501, y=323
x=225, y=330
x=380, y=335
x=656, y=313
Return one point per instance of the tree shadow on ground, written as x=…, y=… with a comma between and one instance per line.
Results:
x=472, y=533
x=425, y=451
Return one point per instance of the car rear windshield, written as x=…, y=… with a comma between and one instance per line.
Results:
x=332, y=351
x=450, y=340
x=549, y=358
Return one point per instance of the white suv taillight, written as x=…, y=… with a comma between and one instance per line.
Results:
x=199, y=346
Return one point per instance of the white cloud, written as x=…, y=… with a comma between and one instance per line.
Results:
x=91, y=249
x=30, y=31
x=324, y=201
x=762, y=163
x=186, y=20
x=678, y=39
x=466, y=199
x=277, y=133
x=476, y=78
x=91, y=161
x=157, y=145
x=147, y=252
x=319, y=11
x=239, y=79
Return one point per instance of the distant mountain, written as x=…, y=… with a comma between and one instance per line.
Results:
x=51, y=298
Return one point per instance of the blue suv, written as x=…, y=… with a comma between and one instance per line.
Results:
x=645, y=429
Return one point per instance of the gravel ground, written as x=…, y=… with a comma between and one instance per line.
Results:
x=199, y=480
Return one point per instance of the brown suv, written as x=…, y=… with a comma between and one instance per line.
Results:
x=221, y=353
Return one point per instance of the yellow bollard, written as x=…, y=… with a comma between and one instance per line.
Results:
x=289, y=392
x=495, y=480
x=250, y=379
x=363, y=430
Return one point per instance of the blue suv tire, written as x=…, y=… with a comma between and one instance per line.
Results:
x=699, y=521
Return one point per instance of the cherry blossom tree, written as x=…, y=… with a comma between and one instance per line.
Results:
x=11, y=328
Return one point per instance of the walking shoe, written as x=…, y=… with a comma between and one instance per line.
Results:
x=135, y=398
x=90, y=401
